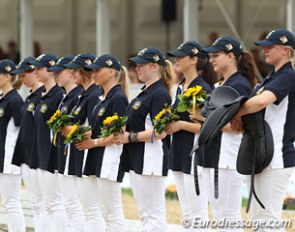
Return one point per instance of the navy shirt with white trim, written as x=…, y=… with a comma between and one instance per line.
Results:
x=147, y=158
x=281, y=115
x=57, y=156
x=43, y=135
x=23, y=148
x=183, y=141
x=104, y=162
x=75, y=159
x=10, y=120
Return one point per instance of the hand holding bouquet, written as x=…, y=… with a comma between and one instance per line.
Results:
x=193, y=97
x=58, y=120
x=113, y=124
x=164, y=117
x=77, y=132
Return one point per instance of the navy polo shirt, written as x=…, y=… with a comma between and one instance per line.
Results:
x=183, y=141
x=10, y=119
x=281, y=115
x=147, y=158
x=57, y=156
x=82, y=113
x=104, y=162
x=43, y=136
x=23, y=148
x=225, y=144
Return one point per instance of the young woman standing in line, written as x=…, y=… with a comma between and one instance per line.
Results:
x=10, y=119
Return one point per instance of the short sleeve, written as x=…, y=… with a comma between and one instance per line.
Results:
x=119, y=105
x=281, y=86
x=16, y=111
x=243, y=90
x=158, y=102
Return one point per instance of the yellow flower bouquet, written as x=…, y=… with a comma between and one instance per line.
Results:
x=58, y=120
x=113, y=124
x=77, y=132
x=164, y=117
x=193, y=97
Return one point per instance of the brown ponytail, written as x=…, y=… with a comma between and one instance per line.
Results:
x=123, y=80
x=168, y=76
x=246, y=65
x=16, y=82
x=206, y=70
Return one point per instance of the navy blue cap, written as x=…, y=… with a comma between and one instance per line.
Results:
x=7, y=66
x=44, y=60
x=149, y=55
x=81, y=61
x=225, y=44
x=188, y=48
x=104, y=61
x=24, y=66
x=60, y=64
x=278, y=37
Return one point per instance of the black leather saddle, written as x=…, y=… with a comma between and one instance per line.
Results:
x=256, y=150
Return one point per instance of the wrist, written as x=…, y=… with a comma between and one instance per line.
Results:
x=95, y=142
x=133, y=137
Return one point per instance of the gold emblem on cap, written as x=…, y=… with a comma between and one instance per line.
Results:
x=195, y=51
x=283, y=39
x=109, y=62
x=40, y=57
x=88, y=62
x=8, y=68
x=229, y=46
x=1, y=112
x=156, y=58
x=32, y=66
x=141, y=52
x=51, y=62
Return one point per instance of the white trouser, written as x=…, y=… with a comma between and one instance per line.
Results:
x=149, y=193
x=193, y=206
x=110, y=201
x=10, y=191
x=75, y=214
x=228, y=205
x=87, y=189
x=38, y=205
x=51, y=193
x=270, y=186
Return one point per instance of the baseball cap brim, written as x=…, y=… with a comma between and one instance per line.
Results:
x=264, y=43
x=212, y=49
x=177, y=53
x=56, y=69
x=140, y=60
x=90, y=67
x=38, y=64
x=72, y=65
x=18, y=71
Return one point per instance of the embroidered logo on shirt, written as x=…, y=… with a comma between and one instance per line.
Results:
x=43, y=108
x=101, y=112
x=136, y=105
x=31, y=107
x=1, y=112
x=77, y=111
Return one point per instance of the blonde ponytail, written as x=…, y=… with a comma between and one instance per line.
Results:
x=168, y=76
x=123, y=80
